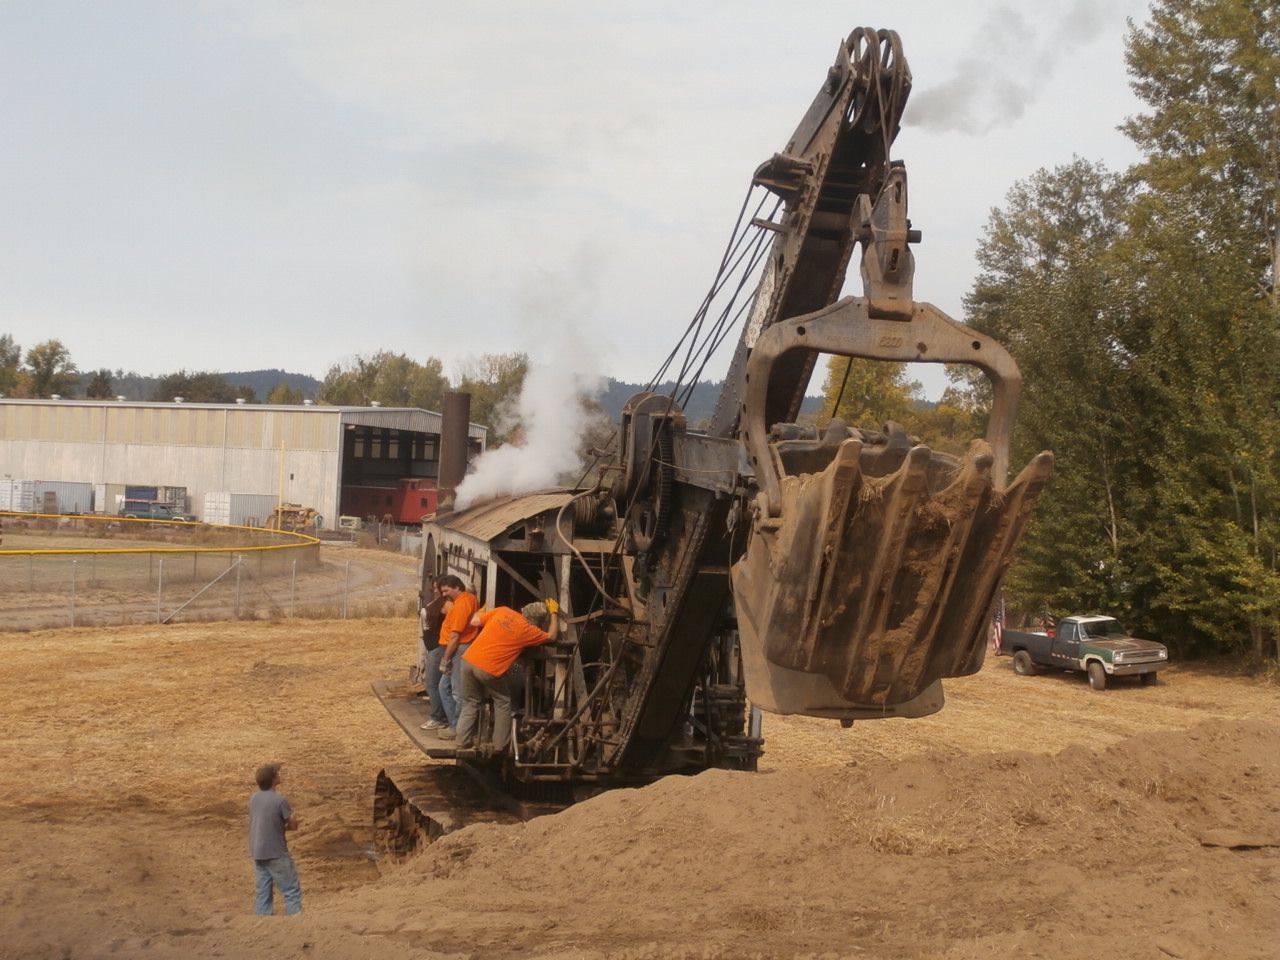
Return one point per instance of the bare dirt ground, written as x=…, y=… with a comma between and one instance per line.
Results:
x=1031, y=818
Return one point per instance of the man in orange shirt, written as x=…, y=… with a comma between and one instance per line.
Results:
x=503, y=634
x=431, y=616
x=456, y=634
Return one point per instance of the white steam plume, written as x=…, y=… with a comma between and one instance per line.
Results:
x=1013, y=54
x=549, y=412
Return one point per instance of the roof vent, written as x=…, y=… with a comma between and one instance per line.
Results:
x=177, y=399
x=308, y=403
x=119, y=398
x=375, y=403
x=55, y=396
x=240, y=401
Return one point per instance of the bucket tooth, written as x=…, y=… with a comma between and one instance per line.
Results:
x=998, y=529
x=924, y=582
x=885, y=524
x=841, y=496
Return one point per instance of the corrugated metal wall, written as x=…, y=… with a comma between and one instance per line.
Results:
x=310, y=476
x=201, y=448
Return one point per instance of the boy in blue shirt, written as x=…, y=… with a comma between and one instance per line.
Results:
x=269, y=817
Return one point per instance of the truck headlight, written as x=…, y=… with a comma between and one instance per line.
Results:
x=1164, y=654
x=1118, y=657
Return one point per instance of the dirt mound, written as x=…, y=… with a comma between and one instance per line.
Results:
x=1079, y=854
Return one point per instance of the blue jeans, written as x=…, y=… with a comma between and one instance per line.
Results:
x=281, y=873
x=451, y=685
x=434, y=656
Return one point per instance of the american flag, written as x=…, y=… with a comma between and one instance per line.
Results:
x=997, y=624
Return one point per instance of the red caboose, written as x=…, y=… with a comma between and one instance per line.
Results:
x=411, y=499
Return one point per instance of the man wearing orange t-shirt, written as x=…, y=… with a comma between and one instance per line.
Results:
x=456, y=634
x=503, y=634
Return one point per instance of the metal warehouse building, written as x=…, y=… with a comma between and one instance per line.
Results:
x=301, y=454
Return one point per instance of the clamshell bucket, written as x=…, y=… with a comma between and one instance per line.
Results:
x=872, y=564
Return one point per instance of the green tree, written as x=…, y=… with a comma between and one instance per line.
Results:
x=952, y=423
x=10, y=365
x=1209, y=70
x=392, y=379
x=282, y=393
x=199, y=387
x=1204, y=259
x=1046, y=290
x=494, y=382
x=51, y=369
x=868, y=393
x=100, y=385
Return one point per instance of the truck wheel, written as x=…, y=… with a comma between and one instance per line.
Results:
x=1097, y=675
x=1022, y=664
x=1150, y=679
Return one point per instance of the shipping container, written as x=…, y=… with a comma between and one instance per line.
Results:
x=135, y=492
x=18, y=495
x=108, y=497
x=175, y=497
x=63, y=496
x=239, y=509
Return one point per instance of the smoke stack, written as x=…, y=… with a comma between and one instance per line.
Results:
x=455, y=422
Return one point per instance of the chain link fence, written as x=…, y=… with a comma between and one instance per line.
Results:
x=99, y=571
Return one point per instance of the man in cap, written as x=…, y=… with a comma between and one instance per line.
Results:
x=456, y=634
x=504, y=633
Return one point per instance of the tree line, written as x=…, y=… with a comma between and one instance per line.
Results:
x=391, y=379
x=1143, y=310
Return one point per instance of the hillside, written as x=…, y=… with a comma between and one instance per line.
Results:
x=136, y=386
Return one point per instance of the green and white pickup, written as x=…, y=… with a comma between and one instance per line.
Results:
x=1098, y=646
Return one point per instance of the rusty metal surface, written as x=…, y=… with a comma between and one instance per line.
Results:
x=848, y=329
x=453, y=446
x=492, y=518
x=414, y=806
x=867, y=590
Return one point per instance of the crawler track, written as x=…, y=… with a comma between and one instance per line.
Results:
x=414, y=805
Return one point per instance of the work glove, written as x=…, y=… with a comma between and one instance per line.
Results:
x=552, y=606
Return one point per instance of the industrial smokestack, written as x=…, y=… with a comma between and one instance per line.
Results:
x=455, y=422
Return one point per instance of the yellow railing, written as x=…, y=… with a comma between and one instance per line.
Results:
x=294, y=541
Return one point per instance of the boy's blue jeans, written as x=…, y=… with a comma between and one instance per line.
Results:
x=451, y=686
x=281, y=873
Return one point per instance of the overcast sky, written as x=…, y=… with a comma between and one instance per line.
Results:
x=234, y=185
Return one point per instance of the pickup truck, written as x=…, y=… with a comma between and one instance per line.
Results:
x=1098, y=646
x=151, y=510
